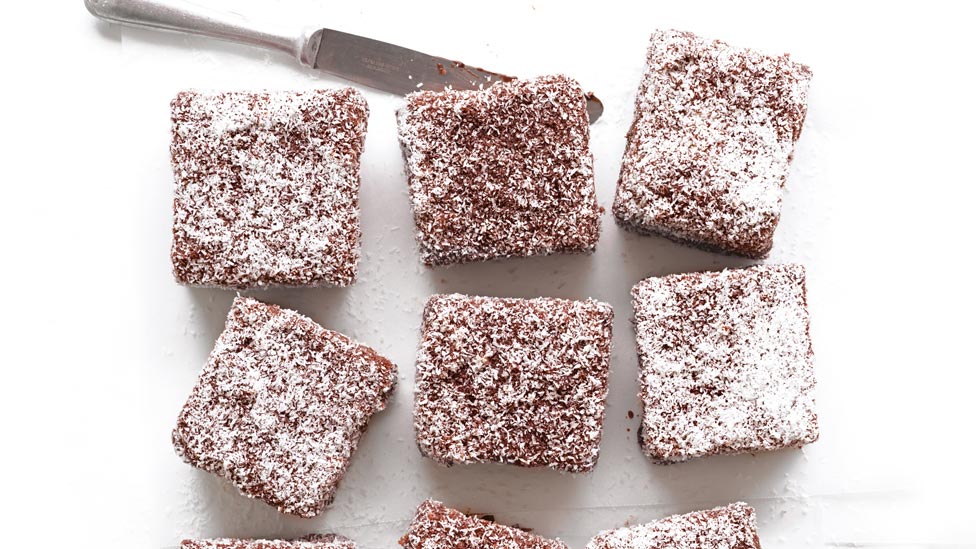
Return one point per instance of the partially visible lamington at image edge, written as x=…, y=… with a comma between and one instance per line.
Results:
x=436, y=525
x=726, y=362
x=500, y=172
x=279, y=408
x=729, y=527
x=314, y=541
x=267, y=187
x=711, y=143
x=518, y=381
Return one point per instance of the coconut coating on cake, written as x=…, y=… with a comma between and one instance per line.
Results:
x=267, y=187
x=729, y=527
x=436, y=526
x=711, y=143
x=519, y=381
x=501, y=172
x=726, y=363
x=315, y=541
x=280, y=406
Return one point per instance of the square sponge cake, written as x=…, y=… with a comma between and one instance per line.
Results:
x=314, y=541
x=726, y=363
x=729, y=527
x=280, y=406
x=267, y=187
x=519, y=381
x=711, y=144
x=436, y=525
x=500, y=172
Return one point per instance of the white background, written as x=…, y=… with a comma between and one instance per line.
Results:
x=100, y=346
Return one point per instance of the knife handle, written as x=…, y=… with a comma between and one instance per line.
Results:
x=189, y=17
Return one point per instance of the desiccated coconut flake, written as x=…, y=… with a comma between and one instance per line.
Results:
x=726, y=363
x=280, y=406
x=501, y=172
x=711, y=143
x=267, y=187
x=521, y=381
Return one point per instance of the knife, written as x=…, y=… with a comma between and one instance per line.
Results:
x=369, y=62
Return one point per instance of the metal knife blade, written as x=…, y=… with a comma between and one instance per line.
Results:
x=362, y=60
x=400, y=70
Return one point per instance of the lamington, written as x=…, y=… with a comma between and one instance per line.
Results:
x=280, y=406
x=729, y=527
x=267, y=187
x=438, y=526
x=726, y=362
x=315, y=541
x=500, y=172
x=711, y=144
x=518, y=381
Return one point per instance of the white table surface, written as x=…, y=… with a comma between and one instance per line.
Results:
x=101, y=346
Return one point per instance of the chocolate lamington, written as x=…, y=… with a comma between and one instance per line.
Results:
x=438, y=526
x=267, y=187
x=315, y=541
x=726, y=364
x=500, y=172
x=711, y=144
x=280, y=406
x=729, y=527
x=519, y=381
